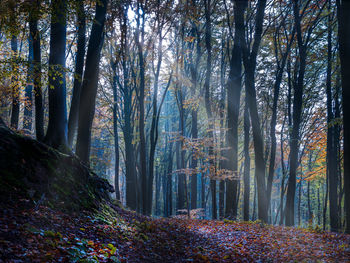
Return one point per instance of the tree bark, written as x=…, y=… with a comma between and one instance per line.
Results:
x=56, y=135
x=246, y=176
x=28, y=105
x=14, y=84
x=115, y=129
x=208, y=105
x=249, y=59
x=39, y=111
x=343, y=8
x=90, y=83
x=141, y=98
x=297, y=108
x=331, y=147
x=234, y=87
x=78, y=74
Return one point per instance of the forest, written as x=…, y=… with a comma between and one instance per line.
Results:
x=174, y=131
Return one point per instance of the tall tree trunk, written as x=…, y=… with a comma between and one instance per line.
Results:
x=331, y=148
x=155, y=121
x=14, y=84
x=208, y=105
x=222, y=163
x=141, y=98
x=35, y=34
x=180, y=160
x=246, y=176
x=56, y=135
x=78, y=74
x=280, y=70
x=297, y=108
x=180, y=151
x=131, y=186
x=28, y=104
x=234, y=87
x=284, y=175
x=194, y=161
x=115, y=129
x=249, y=59
x=194, y=131
x=343, y=8
x=90, y=83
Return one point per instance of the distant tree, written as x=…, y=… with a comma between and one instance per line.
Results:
x=14, y=84
x=28, y=103
x=303, y=41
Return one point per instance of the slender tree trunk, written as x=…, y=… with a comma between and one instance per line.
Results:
x=297, y=108
x=208, y=105
x=254, y=202
x=170, y=181
x=39, y=111
x=194, y=112
x=318, y=207
x=246, y=164
x=343, y=8
x=222, y=162
x=78, y=74
x=299, y=201
x=284, y=173
x=56, y=135
x=310, y=214
x=90, y=81
x=331, y=152
x=115, y=130
x=141, y=98
x=249, y=59
x=14, y=84
x=194, y=161
x=157, y=194
x=131, y=183
x=325, y=204
x=280, y=70
x=28, y=104
x=234, y=87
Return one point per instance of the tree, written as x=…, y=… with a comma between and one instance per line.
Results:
x=331, y=144
x=234, y=87
x=303, y=39
x=343, y=8
x=281, y=60
x=28, y=112
x=35, y=35
x=249, y=60
x=78, y=75
x=56, y=135
x=14, y=84
x=90, y=82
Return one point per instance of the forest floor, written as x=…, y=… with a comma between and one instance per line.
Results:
x=42, y=234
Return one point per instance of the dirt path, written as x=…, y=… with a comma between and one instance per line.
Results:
x=46, y=235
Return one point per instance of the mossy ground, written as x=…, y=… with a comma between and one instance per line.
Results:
x=30, y=169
